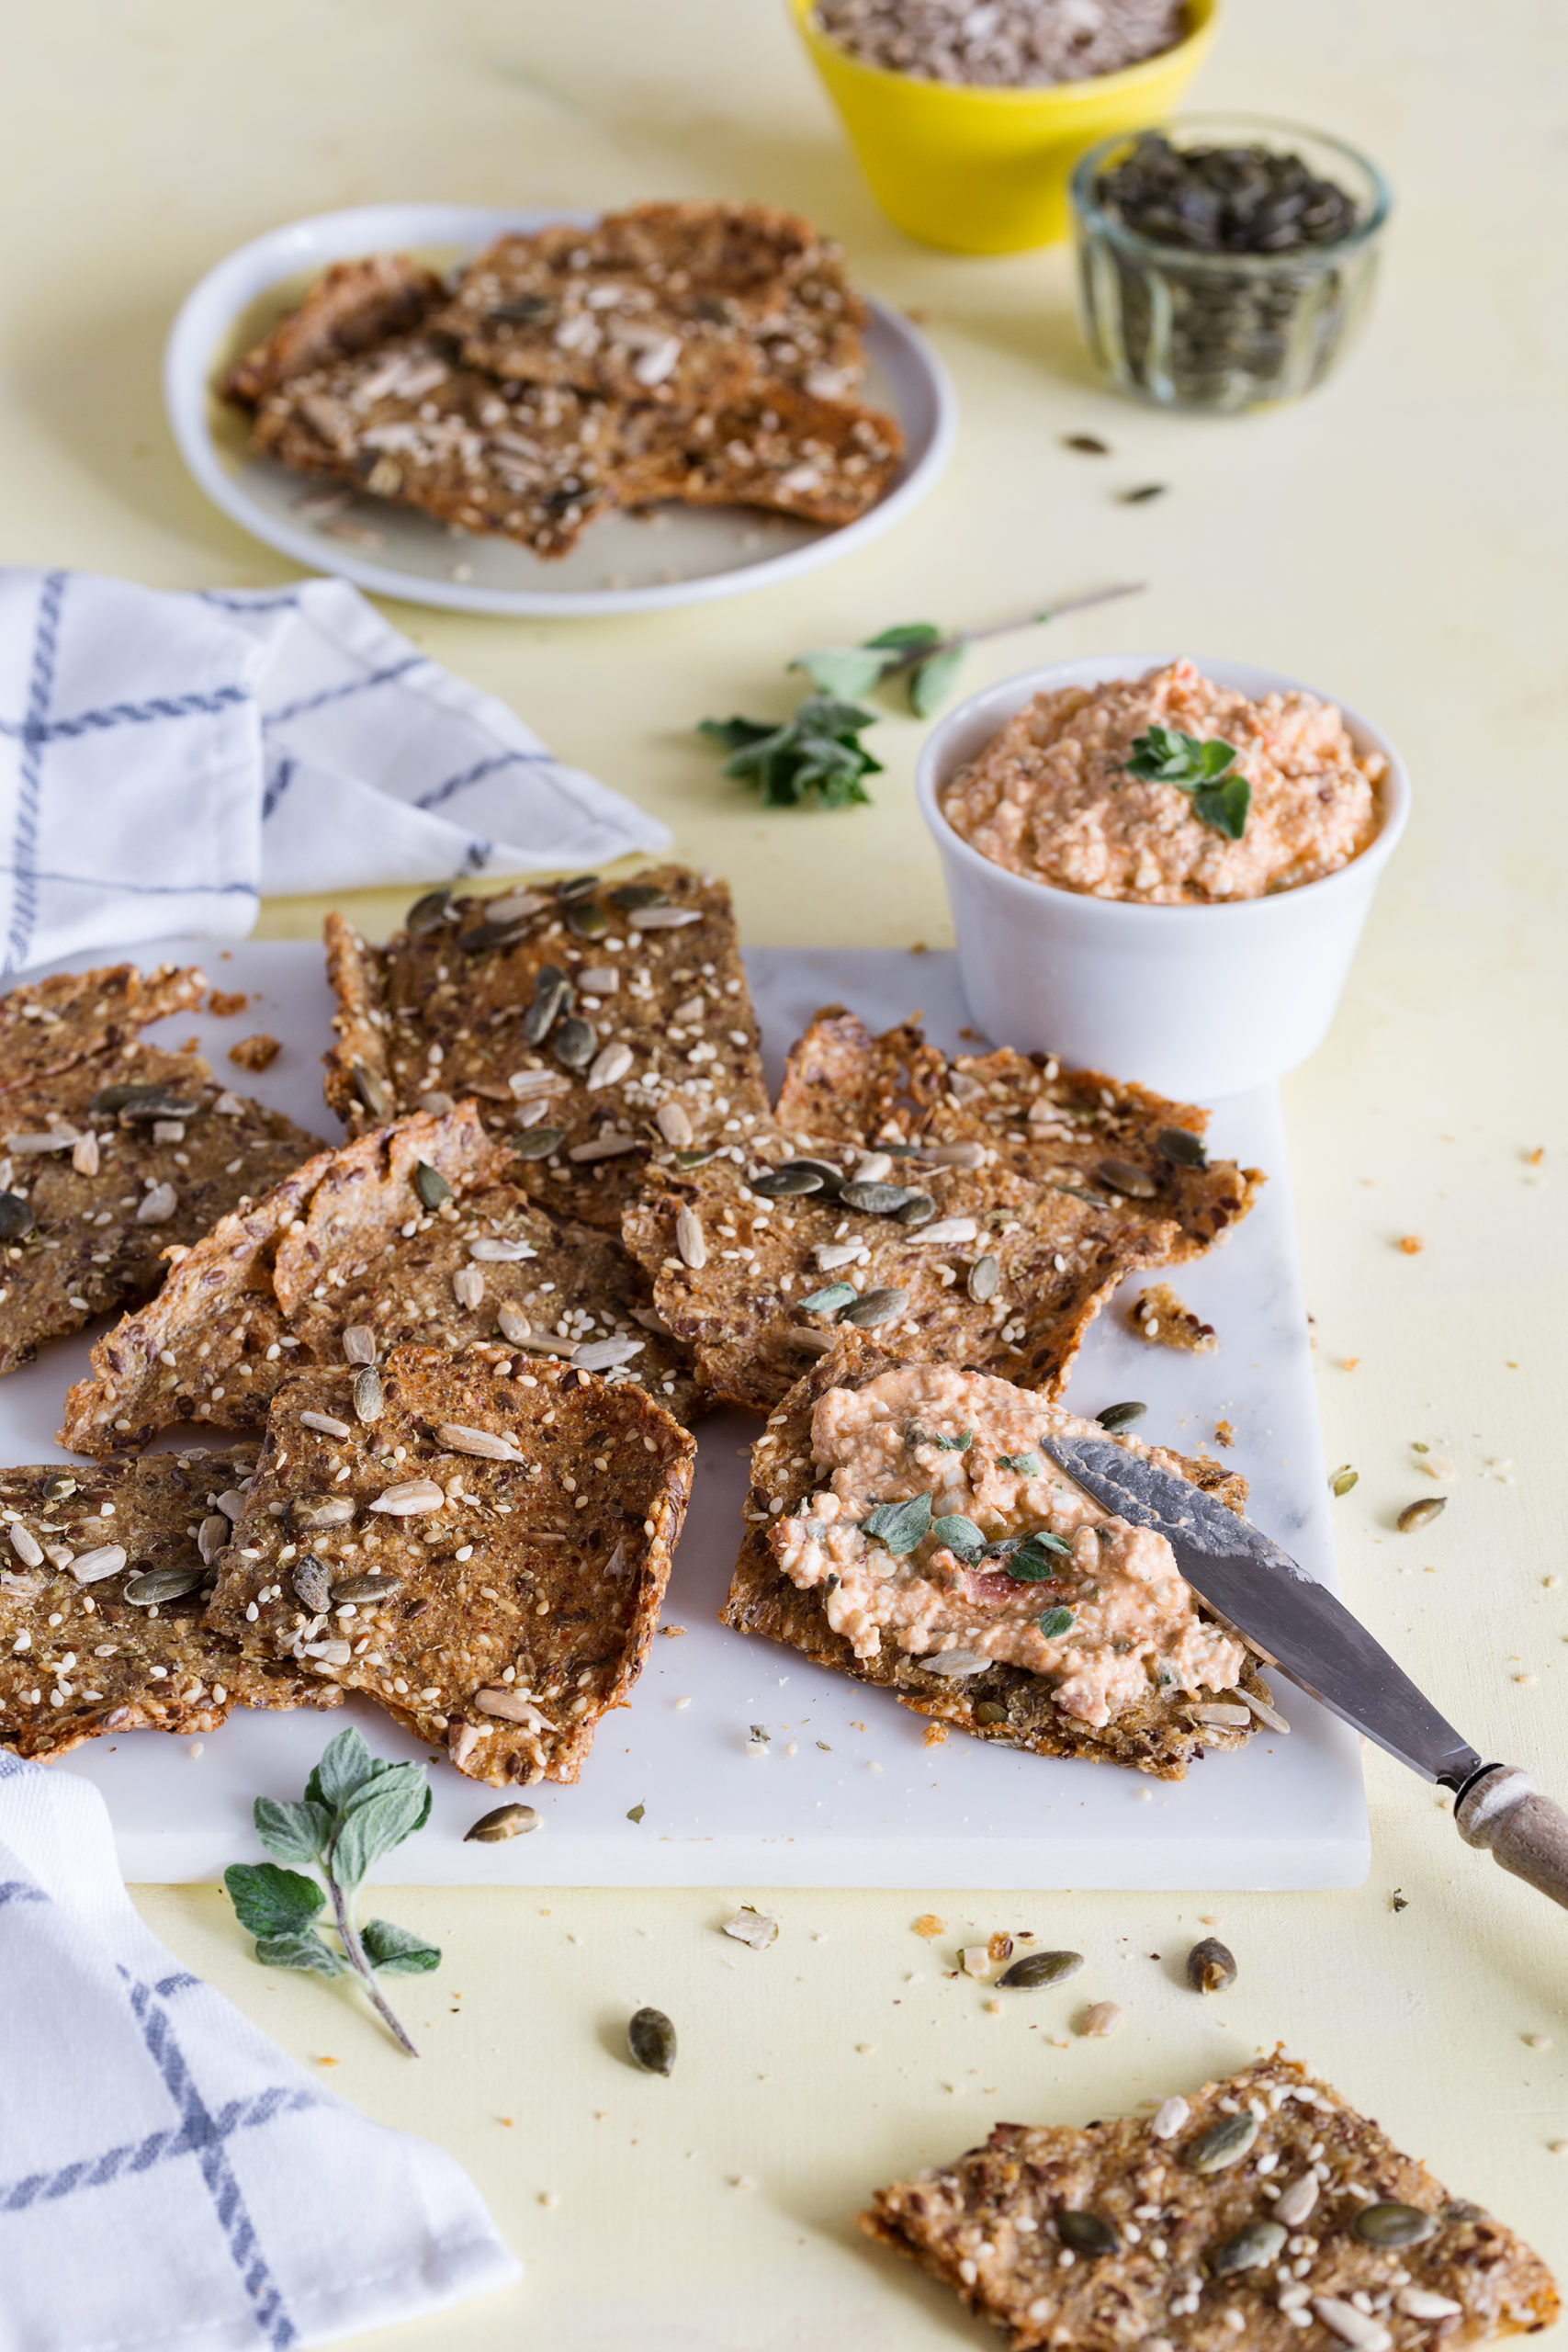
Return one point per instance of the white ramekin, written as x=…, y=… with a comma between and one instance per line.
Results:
x=1192, y=1001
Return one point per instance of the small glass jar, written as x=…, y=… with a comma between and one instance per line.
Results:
x=1225, y=331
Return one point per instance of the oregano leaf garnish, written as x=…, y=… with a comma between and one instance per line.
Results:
x=963, y=1538
x=1056, y=1622
x=1035, y=1561
x=1206, y=770
x=899, y=1525
x=959, y=1443
x=356, y=1807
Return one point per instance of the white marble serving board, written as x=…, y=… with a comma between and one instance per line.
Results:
x=846, y=1794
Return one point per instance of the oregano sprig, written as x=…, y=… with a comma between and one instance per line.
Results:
x=355, y=1808
x=930, y=658
x=816, y=755
x=1221, y=794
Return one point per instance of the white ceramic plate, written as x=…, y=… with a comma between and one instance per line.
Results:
x=624, y=563
x=848, y=1794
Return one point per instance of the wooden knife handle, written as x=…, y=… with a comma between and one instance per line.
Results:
x=1527, y=1832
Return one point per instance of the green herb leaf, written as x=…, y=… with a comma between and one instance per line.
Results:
x=398, y=1951
x=931, y=681
x=1056, y=1622
x=736, y=733
x=292, y=1833
x=300, y=1948
x=959, y=1444
x=379, y=1815
x=832, y=1297
x=1036, y=1560
x=905, y=637
x=841, y=668
x=1027, y=1466
x=816, y=755
x=899, y=1525
x=346, y=1766
x=963, y=1538
x=271, y=1901
x=1225, y=805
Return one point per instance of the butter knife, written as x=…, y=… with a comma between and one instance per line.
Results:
x=1296, y=1626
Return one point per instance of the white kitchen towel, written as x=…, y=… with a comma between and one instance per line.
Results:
x=169, y=2180
x=166, y=758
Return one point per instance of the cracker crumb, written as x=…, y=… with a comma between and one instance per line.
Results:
x=1225, y=1435
x=928, y=1925
x=1412, y=1244
x=256, y=1053
x=1158, y=1315
x=224, y=1003
x=934, y=1735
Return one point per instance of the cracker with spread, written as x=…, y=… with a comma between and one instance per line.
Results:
x=902, y=1527
x=404, y=1234
x=483, y=1555
x=103, y=1576
x=1262, y=2212
x=1140, y=1156
x=595, y=1024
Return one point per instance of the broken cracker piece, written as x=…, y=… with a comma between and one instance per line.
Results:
x=479, y=996
x=1158, y=1315
x=86, y=1645
x=353, y=307
x=1160, y=2231
x=49, y=1025
x=1138, y=1154
x=496, y=1554
x=1159, y=1732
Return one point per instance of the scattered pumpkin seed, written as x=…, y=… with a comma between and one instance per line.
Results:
x=311, y=1580
x=373, y=1091
x=784, y=1183
x=1257, y=2244
x=539, y=1143
x=985, y=1276
x=832, y=1178
x=574, y=1043
x=428, y=914
x=1121, y=1416
x=1210, y=1966
x=1392, y=2224
x=1088, y=2234
x=874, y=1198
x=431, y=1185
x=155, y=1585
x=1343, y=1478
x=1420, y=1514
x=140, y=1103
x=588, y=921
x=16, y=1216
x=1038, y=1968
x=506, y=1821
x=637, y=894
x=366, y=1589
x=576, y=886
x=1181, y=1144
x=1222, y=2144
x=552, y=998
x=484, y=937
x=60, y=1485
x=874, y=1307
x=698, y=1158
x=1123, y=1177
x=919, y=1208
x=827, y=1300
x=650, y=2038
x=990, y=1711
x=369, y=1397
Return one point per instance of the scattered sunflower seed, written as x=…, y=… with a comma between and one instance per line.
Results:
x=313, y=1512
x=506, y=1821
x=362, y=1589
x=1038, y=1968
x=155, y=1585
x=29, y=1550
x=690, y=1239
x=368, y=1394
x=1210, y=1966
x=650, y=2038
x=1420, y=1514
x=752, y=1927
x=1120, y=1417
x=609, y=1067
x=604, y=1355
x=985, y=1276
x=1102, y=2017
x=158, y=1205
x=327, y=1424
x=674, y=1126
x=483, y=1443
x=411, y=1498
x=211, y=1538
x=359, y=1344
x=103, y=1560
x=431, y=1185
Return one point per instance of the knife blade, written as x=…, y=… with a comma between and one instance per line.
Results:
x=1297, y=1625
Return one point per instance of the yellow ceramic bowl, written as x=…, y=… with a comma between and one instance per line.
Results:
x=984, y=171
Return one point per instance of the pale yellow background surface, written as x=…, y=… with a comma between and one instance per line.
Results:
x=1398, y=540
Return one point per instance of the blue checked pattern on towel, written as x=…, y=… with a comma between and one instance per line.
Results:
x=169, y=2179
x=168, y=759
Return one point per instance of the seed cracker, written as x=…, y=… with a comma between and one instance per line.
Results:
x=1057, y=1260
x=49, y=1024
x=525, y=1599
x=826, y=461
x=1050, y=1124
x=990, y=2227
x=77, y=1659
x=346, y=1244
x=1160, y=1317
x=1007, y=1703
x=103, y=1198
x=423, y=1014
x=672, y=302
x=354, y=306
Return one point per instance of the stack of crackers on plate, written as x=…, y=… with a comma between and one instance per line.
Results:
x=708, y=354
x=448, y=1367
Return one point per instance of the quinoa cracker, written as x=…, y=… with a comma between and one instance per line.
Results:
x=1160, y=1735
x=81, y=1654
x=485, y=1555
x=1127, y=2233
